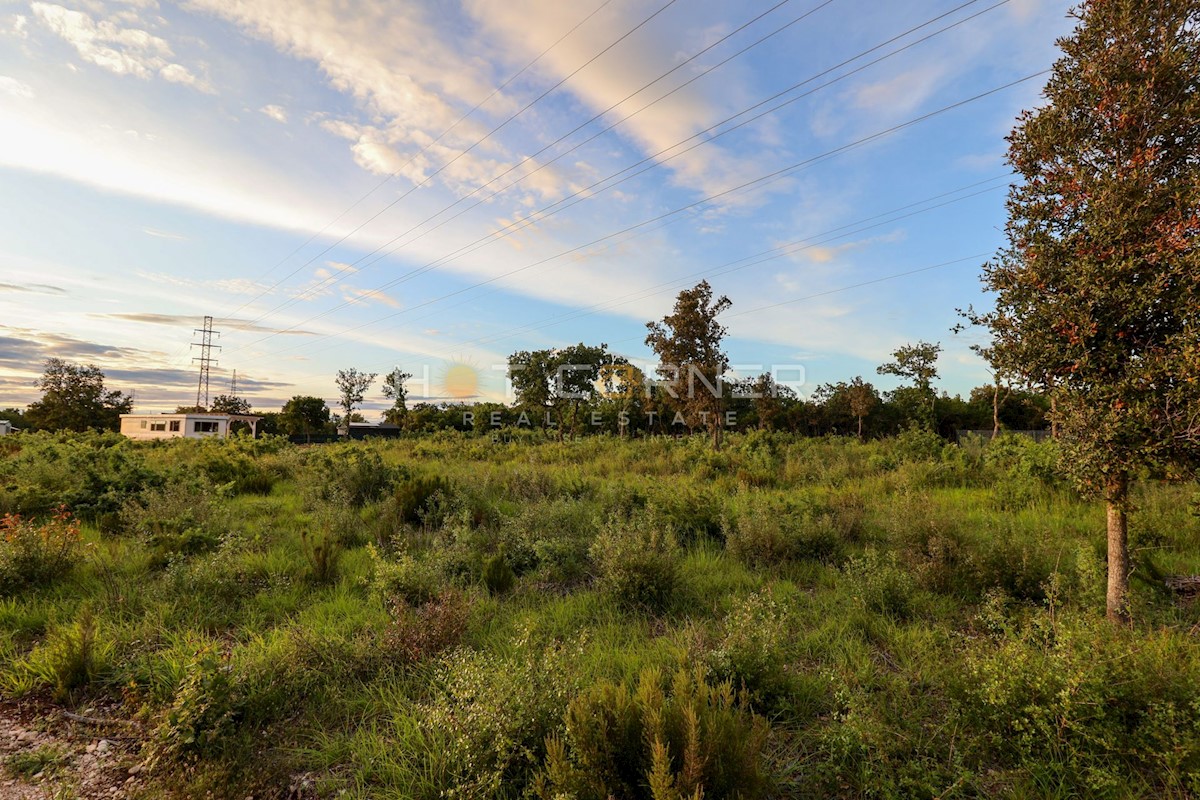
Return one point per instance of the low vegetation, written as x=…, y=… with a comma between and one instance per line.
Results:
x=453, y=616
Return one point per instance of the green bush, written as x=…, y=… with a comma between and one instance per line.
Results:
x=203, y=713
x=637, y=562
x=685, y=738
x=882, y=585
x=402, y=578
x=415, y=499
x=353, y=475
x=764, y=536
x=70, y=659
x=322, y=550
x=495, y=714
x=421, y=633
x=498, y=576
x=36, y=553
x=1092, y=707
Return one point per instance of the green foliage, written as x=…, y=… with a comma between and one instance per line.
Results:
x=764, y=535
x=36, y=553
x=45, y=760
x=1093, y=705
x=498, y=576
x=74, y=399
x=414, y=499
x=322, y=551
x=180, y=519
x=70, y=659
x=882, y=585
x=352, y=475
x=637, y=562
x=402, y=578
x=495, y=714
x=664, y=740
x=198, y=722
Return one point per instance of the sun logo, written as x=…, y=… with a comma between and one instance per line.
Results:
x=460, y=380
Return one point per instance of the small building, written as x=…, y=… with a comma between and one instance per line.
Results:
x=361, y=430
x=190, y=426
x=6, y=427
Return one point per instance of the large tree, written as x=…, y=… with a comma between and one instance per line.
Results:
x=395, y=388
x=1098, y=288
x=229, y=404
x=352, y=388
x=555, y=380
x=74, y=398
x=303, y=416
x=688, y=345
x=918, y=363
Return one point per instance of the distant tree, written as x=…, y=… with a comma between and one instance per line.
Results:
x=303, y=416
x=16, y=416
x=352, y=387
x=917, y=363
x=229, y=404
x=1098, y=289
x=862, y=399
x=688, y=345
x=556, y=380
x=74, y=399
x=395, y=389
x=191, y=410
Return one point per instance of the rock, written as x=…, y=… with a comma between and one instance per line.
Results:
x=103, y=746
x=135, y=769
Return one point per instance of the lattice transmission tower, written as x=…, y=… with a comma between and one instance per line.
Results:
x=205, y=359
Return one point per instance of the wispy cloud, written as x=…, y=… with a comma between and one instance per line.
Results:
x=157, y=234
x=35, y=288
x=190, y=321
x=275, y=112
x=16, y=88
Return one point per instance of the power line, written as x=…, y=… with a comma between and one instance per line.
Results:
x=587, y=192
x=754, y=183
x=478, y=142
x=786, y=249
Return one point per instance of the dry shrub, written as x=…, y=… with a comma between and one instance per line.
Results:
x=422, y=632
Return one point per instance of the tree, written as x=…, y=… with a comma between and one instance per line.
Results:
x=352, y=386
x=1098, y=287
x=303, y=416
x=14, y=415
x=918, y=363
x=74, y=399
x=688, y=345
x=394, y=389
x=557, y=379
x=229, y=404
x=863, y=398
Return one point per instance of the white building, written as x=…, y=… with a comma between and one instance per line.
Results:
x=191, y=426
x=6, y=427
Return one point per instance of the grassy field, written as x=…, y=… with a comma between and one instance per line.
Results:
x=454, y=616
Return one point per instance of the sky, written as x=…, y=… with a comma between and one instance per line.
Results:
x=437, y=185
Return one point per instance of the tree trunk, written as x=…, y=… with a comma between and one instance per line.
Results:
x=996, y=410
x=1116, y=497
x=1053, y=417
x=860, y=419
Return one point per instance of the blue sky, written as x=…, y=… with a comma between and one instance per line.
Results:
x=369, y=185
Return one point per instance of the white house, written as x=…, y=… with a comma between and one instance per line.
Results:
x=6, y=427
x=191, y=426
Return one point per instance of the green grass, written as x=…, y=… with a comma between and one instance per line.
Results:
x=947, y=641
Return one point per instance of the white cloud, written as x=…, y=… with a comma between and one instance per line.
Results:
x=16, y=88
x=121, y=50
x=275, y=112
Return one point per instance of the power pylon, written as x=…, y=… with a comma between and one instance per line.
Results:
x=205, y=360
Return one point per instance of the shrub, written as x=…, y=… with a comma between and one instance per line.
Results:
x=691, y=739
x=402, y=578
x=421, y=633
x=36, y=553
x=637, y=562
x=322, y=551
x=1090, y=706
x=498, y=576
x=353, y=475
x=70, y=659
x=882, y=585
x=495, y=714
x=764, y=536
x=201, y=716
x=180, y=519
x=415, y=499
